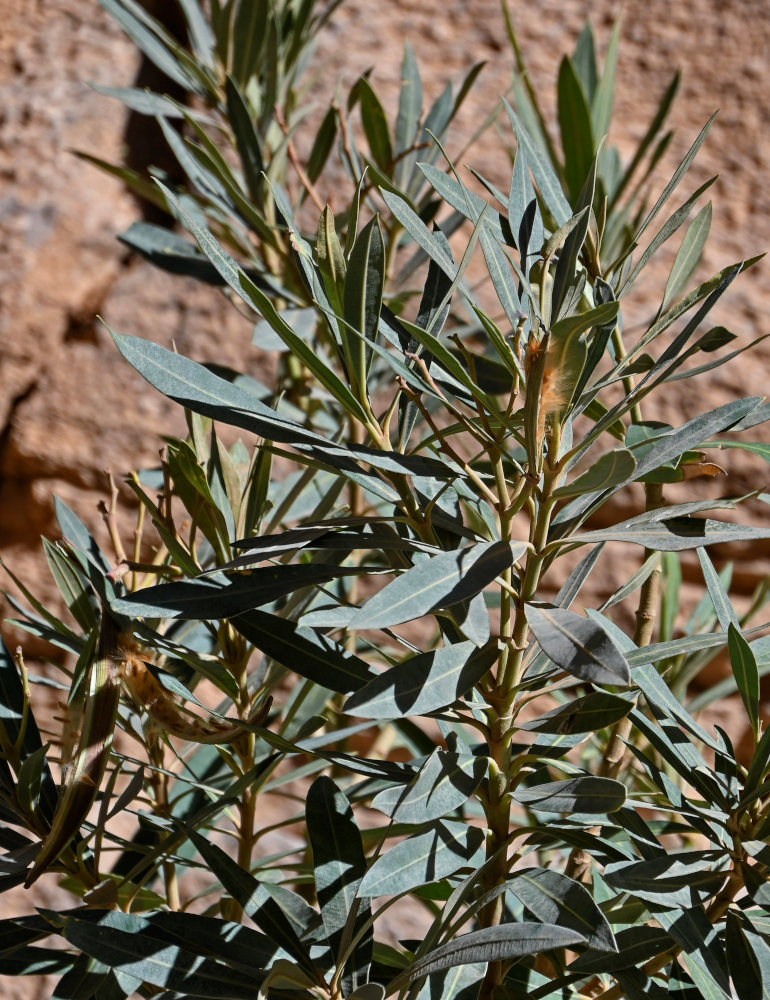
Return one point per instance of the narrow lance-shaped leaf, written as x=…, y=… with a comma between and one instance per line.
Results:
x=20, y=734
x=409, y=108
x=575, y=126
x=331, y=260
x=602, y=99
x=438, y=582
x=246, y=139
x=126, y=941
x=612, y=469
x=688, y=256
x=196, y=388
x=491, y=944
x=160, y=47
x=436, y=852
x=431, y=315
x=362, y=301
x=375, y=125
x=746, y=674
x=676, y=177
x=308, y=653
x=675, y=533
x=84, y=776
x=545, y=177
x=248, y=290
x=578, y=645
x=719, y=598
x=444, y=783
x=556, y=899
x=255, y=899
x=582, y=794
x=748, y=975
x=424, y=683
x=339, y=865
x=588, y=714
x=204, y=599
x=420, y=233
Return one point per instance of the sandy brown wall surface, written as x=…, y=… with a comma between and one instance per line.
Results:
x=69, y=407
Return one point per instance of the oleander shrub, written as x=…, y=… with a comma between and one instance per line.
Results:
x=346, y=662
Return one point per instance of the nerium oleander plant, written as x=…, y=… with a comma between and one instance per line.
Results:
x=326, y=648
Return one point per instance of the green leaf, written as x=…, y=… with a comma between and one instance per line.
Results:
x=253, y=896
x=761, y=957
x=705, y=958
x=198, y=389
x=322, y=145
x=145, y=102
x=675, y=533
x=32, y=961
x=678, y=174
x=724, y=609
x=331, y=259
x=584, y=61
x=749, y=978
x=32, y=775
x=666, y=231
x=434, y=853
x=158, y=45
x=375, y=125
x=246, y=140
x=126, y=941
x=205, y=599
x=578, y=645
x=195, y=387
x=241, y=947
x=424, y=683
x=582, y=794
x=673, y=880
x=612, y=469
x=660, y=697
x=746, y=674
x=556, y=899
x=444, y=783
x=491, y=944
x=688, y=256
x=502, y=278
x=576, y=131
x=339, y=865
x=308, y=653
x=20, y=730
x=461, y=198
x=597, y=316
x=247, y=289
x=524, y=218
x=602, y=99
x=172, y=253
x=636, y=946
x=420, y=233
x=369, y=991
x=249, y=33
x=588, y=714
x=547, y=182
x=438, y=582
x=409, y=110
x=362, y=301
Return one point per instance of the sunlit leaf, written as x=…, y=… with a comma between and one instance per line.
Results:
x=583, y=794
x=437, y=851
x=423, y=683
x=578, y=645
